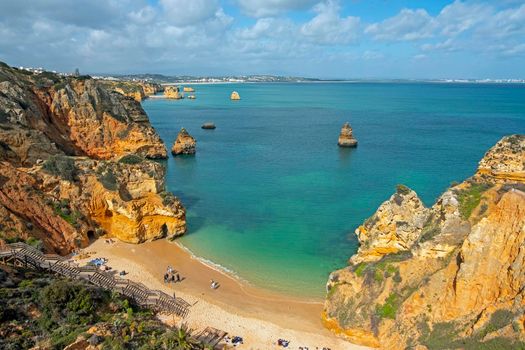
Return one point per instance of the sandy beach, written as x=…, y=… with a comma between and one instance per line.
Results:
x=259, y=316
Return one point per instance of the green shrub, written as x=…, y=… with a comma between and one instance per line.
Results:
x=402, y=189
x=61, y=166
x=389, y=308
x=35, y=243
x=131, y=159
x=469, y=198
x=359, y=270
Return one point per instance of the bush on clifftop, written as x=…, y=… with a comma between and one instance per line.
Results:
x=40, y=310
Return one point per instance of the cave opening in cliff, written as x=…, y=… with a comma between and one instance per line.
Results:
x=91, y=236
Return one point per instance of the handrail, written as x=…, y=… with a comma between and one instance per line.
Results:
x=142, y=295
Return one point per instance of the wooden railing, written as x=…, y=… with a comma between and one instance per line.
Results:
x=23, y=255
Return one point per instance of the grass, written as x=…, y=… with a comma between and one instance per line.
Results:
x=469, y=198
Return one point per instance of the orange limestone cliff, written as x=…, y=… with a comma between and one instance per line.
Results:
x=346, y=138
x=184, y=144
x=74, y=159
x=445, y=277
x=79, y=115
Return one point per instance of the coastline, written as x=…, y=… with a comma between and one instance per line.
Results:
x=259, y=316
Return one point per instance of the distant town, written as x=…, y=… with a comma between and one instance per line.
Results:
x=179, y=79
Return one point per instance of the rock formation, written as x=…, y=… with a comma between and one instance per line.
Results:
x=346, y=138
x=138, y=90
x=235, y=96
x=449, y=276
x=188, y=89
x=73, y=155
x=208, y=125
x=172, y=92
x=184, y=144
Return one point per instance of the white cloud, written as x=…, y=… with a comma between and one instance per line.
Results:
x=327, y=27
x=407, y=25
x=184, y=12
x=459, y=17
x=268, y=8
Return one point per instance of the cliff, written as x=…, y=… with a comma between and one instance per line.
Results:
x=138, y=90
x=444, y=277
x=74, y=159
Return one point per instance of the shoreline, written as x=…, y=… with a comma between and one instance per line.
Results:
x=259, y=316
x=243, y=281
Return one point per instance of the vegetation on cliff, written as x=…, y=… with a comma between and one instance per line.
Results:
x=445, y=277
x=41, y=310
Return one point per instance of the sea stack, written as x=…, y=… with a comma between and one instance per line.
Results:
x=172, y=92
x=184, y=144
x=235, y=96
x=188, y=89
x=208, y=125
x=346, y=139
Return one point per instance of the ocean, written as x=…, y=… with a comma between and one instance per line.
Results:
x=270, y=196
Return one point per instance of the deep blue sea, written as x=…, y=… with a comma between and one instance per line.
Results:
x=271, y=197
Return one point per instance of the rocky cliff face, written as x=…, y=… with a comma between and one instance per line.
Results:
x=138, y=90
x=73, y=156
x=449, y=276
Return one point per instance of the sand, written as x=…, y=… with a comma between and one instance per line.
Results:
x=259, y=316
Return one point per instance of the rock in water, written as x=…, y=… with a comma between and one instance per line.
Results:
x=172, y=92
x=346, y=139
x=184, y=144
x=188, y=89
x=208, y=126
x=235, y=96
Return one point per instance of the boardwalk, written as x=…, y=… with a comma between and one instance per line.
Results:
x=23, y=255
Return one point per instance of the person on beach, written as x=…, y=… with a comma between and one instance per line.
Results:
x=172, y=278
x=178, y=277
x=166, y=278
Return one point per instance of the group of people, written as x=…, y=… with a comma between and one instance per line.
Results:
x=283, y=343
x=171, y=276
x=235, y=341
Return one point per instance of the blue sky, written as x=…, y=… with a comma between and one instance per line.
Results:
x=314, y=38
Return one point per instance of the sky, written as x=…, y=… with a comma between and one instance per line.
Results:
x=407, y=39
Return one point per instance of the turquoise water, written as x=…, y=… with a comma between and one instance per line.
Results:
x=272, y=198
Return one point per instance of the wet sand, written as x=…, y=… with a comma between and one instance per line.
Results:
x=259, y=316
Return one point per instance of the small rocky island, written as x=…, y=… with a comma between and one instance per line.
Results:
x=235, y=96
x=208, y=126
x=172, y=92
x=346, y=138
x=184, y=144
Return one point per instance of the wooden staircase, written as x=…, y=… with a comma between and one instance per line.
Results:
x=23, y=255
